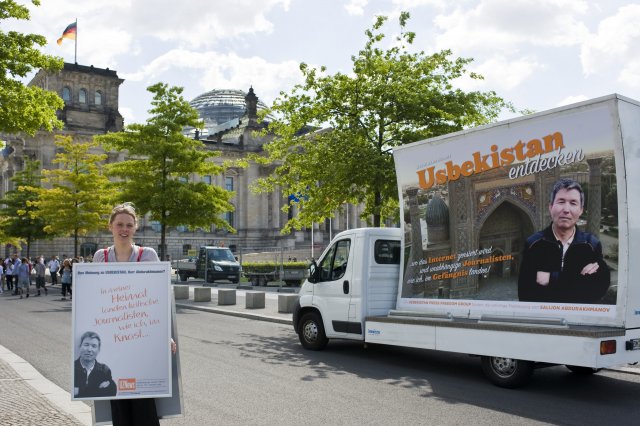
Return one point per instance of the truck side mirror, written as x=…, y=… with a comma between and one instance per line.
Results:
x=313, y=272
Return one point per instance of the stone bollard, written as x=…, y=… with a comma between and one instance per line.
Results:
x=226, y=296
x=181, y=291
x=254, y=300
x=202, y=294
x=286, y=303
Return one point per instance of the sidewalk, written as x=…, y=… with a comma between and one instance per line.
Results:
x=268, y=313
x=28, y=398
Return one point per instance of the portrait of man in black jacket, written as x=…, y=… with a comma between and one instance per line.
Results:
x=91, y=379
x=562, y=263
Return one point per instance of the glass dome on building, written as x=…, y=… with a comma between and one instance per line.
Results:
x=221, y=105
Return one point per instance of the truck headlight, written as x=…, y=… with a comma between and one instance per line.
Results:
x=217, y=268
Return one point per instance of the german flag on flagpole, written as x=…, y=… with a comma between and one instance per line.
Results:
x=69, y=32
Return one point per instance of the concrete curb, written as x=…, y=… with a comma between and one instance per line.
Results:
x=246, y=315
x=627, y=370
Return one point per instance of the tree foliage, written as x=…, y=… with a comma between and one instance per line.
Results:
x=79, y=196
x=390, y=98
x=19, y=222
x=7, y=239
x=22, y=108
x=155, y=177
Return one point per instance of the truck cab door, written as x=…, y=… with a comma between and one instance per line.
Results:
x=333, y=289
x=201, y=262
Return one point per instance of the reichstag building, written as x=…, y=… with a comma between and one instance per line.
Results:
x=230, y=119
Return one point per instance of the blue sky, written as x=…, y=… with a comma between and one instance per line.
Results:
x=539, y=54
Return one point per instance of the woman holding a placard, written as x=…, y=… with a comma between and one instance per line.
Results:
x=123, y=224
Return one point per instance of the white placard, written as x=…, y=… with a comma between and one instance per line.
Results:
x=127, y=305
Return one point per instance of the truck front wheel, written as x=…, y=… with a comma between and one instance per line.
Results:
x=507, y=372
x=311, y=333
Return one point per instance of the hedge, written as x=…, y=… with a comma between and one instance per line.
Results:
x=264, y=267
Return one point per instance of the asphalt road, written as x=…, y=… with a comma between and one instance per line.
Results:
x=243, y=372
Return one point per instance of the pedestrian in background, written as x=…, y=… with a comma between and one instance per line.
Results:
x=1, y=278
x=23, y=277
x=8, y=273
x=54, y=266
x=40, y=271
x=14, y=264
x=65, y=273
x=15, y=270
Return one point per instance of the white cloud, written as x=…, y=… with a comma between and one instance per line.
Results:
x=127, y=114
x=412, y=4
x=630, y=74
x=356, y=7
x=502, y=73
x=201, y=22
x=572, y=100
x=505, y=25
x=107, y=30
x=221, y=71
x=614, y=44
x=111, y=41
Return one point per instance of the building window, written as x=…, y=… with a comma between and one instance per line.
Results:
x=228, y=183
x=207, y=179
x=181, y=228
x=82, y=96
x=66, y=94
x=185, y=249
x=98, y=98
x=230, y=217
x=155, y=225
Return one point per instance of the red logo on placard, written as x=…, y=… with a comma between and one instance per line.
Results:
x=126, y=385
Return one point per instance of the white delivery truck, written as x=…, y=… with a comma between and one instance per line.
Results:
x=519, y=244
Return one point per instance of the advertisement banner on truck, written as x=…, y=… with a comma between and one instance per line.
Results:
x=519, y=218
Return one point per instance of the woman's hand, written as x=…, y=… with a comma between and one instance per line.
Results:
x=174, y=347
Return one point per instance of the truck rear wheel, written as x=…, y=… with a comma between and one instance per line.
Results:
x=183, y=276
x=312, y=335
x=507, y=372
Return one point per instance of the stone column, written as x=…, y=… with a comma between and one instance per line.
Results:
x=595, y=196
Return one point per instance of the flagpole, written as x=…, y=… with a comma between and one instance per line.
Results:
x=75, y=53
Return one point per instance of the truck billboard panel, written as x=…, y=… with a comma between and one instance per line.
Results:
x=519, y=218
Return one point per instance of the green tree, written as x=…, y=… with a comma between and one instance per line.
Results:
x=22, y=108
x=7, y=239
x=391, y=97
x=161, y=160
x=79, y=195
x=19, y=221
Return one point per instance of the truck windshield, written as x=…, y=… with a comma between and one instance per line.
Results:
x=221, y=254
